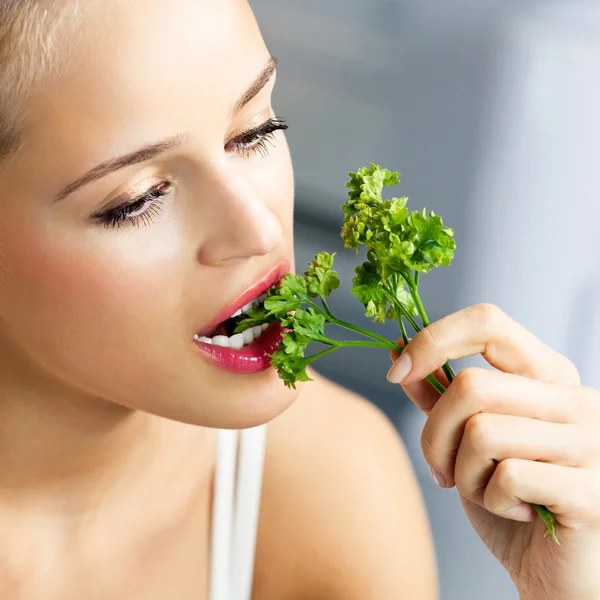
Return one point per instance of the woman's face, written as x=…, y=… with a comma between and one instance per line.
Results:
x=106, y=303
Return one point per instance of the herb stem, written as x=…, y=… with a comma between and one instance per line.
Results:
x=314, y=357
x=318, y=308
x=401, y=308
x=415, y=294
x=326, y=307
x=403, y=330
x=364, y=332
x=436, y=384
x=359, y=344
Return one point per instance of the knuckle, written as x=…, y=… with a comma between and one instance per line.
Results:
x=590, y=397
x=571, y=372
x=585, y=496
x=584, y=447
x=478, y=433
x=585, y=406
x=429, y=335
x=492, y=502
x=428, y=448
x=507, y=474
x=592, y=496
x=462, y=487
x=487, y=314
x=469, y=382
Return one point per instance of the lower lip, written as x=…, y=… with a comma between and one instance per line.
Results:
x=250, y=359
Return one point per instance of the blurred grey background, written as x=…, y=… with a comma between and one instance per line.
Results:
x=490, y=111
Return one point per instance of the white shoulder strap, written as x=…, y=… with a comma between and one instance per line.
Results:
x=235, y=512
x=247, y=508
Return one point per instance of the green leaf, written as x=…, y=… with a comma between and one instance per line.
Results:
x=321, y=279
x=550, y=521
x=255, y=316
x=367, y=287
x=290, y=369
x=308, y=324
x=405, y=298
x=292, y=287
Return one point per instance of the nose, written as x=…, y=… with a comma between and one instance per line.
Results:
x=243, y=224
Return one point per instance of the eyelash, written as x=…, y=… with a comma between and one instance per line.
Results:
x=247, y=144
x=255, y=141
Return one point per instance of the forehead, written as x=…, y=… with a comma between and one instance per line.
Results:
x=145, y=68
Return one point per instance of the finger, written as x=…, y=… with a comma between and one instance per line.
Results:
x=489, y=439
x=483, y=329
x=422, y=393
x=573, y=495
x=484, y=391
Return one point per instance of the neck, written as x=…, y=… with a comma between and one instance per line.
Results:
x=64, y=448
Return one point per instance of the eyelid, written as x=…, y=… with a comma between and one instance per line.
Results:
x=133, y=191
x=256, y=121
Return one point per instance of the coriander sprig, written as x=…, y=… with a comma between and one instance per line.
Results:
x=399, y=247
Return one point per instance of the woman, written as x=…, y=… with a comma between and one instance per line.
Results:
x=147, y=196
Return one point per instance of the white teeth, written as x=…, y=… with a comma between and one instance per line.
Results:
x=221, y=340
x=236, y=341
x=254, y=303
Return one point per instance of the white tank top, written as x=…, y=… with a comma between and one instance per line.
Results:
x=236, y=503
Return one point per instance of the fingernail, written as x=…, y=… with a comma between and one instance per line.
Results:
x=438, y=477
x=400, y=369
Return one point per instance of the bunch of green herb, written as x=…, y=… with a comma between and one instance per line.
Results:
x=400, y=246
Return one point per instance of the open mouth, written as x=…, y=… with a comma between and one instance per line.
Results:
x=248, y=352
x=224, y=335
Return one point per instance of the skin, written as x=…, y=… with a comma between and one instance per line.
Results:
x=105, y=402
x=524, y=433
x=107, y=409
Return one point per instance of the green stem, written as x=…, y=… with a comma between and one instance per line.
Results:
x=362, y=331
x=401, y=308
x=436, y=384
x=546, y=515
x=417, y=273
x=314, y=357
x=317, y=308
x=415, y=294
x=326, y=307
x=550, y=520
x=358, y=344
x=334, y=321
x=403, y=330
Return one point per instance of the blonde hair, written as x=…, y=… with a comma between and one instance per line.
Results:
x=29, y=40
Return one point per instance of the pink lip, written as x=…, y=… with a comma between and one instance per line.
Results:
x=249, y=360
x=253, y=358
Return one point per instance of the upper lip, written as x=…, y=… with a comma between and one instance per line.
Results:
x=270, y=278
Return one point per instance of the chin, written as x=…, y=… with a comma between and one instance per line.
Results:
x=228, y=402
x=250, y=406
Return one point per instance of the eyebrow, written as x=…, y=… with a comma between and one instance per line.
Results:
x=167, y=145
x=257, y=86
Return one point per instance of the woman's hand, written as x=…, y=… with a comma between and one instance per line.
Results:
x=527, y=433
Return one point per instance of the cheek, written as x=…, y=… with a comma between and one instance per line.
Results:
x=104, y=291
x=278, y=179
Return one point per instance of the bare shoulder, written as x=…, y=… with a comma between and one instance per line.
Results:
x=342, y=515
